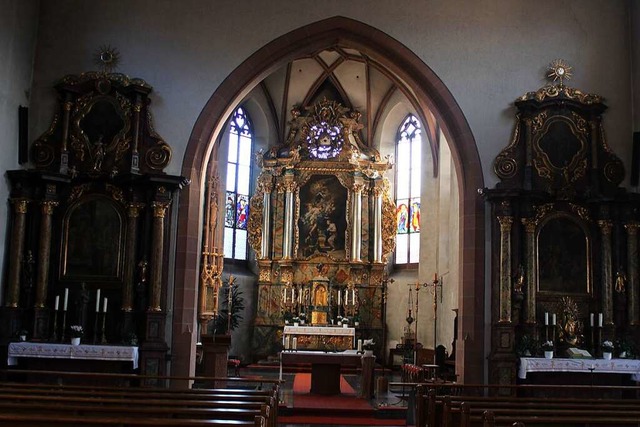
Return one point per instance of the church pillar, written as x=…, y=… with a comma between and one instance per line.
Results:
x=356, y=221
x=133, y=212
x=377, y=222
x=632, y=271
x=532, y=271
x=159, y=211
x=505, y=268
x=606, y=276
x=17, y=248
x=287, y=244
x=266, y=219
x=44, y=252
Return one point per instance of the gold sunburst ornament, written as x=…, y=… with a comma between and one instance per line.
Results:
x=559, y=70
x=107, y=57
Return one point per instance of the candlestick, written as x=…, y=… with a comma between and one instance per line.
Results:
x=546, y=318
x=600, y=320
x=359, y=345
x=57, y=301
x=98, y=301
x=591, y=319
x=104, y=308
x=66, y=298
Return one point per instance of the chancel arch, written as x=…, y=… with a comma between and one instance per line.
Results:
x=404, y=69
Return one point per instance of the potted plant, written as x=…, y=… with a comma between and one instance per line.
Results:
x=547, y=347
x=76, y=332
x=356, y=320
x=627, y=348
x=303, y=318
x=22, y=335
x=607, y=350
x=345, y=322
x=295, y=320
x=339, y=318
x=367, y=346
x=287, y=316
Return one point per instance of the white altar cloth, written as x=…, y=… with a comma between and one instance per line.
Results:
x=319, y=330
x=114, y=353
x=597, y=366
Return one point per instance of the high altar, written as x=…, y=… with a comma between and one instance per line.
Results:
x=322, y=224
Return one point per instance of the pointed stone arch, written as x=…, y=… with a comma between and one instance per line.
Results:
x=430, y=94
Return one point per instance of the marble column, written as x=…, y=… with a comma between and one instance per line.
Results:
x=356, y=222
x=44, y=253
x=266, y=218
x=607, y=271
x=133, y=212
x=289, y=203
x=531, y=270
x=377, y=223
x=632, y=273
x=157, y=246
x=505, y=268
x=17, y=249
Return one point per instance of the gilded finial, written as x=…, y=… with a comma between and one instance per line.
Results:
x=107, y=57
x=559, y=70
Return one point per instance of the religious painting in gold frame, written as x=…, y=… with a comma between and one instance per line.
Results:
x=564, y=254
x=93, y=241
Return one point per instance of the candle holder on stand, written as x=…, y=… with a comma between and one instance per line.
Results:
x=63, y=336
x=54, y=333
x=104, y=335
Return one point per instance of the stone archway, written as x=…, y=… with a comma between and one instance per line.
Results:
x=430, y=94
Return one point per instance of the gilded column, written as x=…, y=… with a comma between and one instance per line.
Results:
x=632, y=272
x=157, y=246
x=532, y=272
x=356, y=224
x=377, y=224
x=505, y=268
x=287, y=244
x=17, y=248
x=133, y=212
x=267, y=185
x=606, y=277
x=44, y=253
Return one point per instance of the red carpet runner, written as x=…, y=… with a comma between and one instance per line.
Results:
x=343, y=409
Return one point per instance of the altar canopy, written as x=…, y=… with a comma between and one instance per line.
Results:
x=322, y=224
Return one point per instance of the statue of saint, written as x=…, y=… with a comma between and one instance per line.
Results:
x=620, y=281
x=82, y=303
x=98, y=154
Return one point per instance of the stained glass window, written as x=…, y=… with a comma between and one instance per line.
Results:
x=408, y=154
x=236, y=209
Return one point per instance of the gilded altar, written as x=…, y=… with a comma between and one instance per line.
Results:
x=318, y=338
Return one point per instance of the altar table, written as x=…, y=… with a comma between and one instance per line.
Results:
x=325, y=338
x=595, y=366
x=325, y=368
x=112, y=353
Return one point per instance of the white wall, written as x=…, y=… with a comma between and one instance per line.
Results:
x=18, y=29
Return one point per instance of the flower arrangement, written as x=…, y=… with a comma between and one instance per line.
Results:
x=607, y=346
x=547, y=346
x=287, y=316
x=303, y=317
x=345, y=320
x=368, y=344
x=76, y=331
x=295, y=319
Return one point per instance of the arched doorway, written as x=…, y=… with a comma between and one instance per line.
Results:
x=430, y=94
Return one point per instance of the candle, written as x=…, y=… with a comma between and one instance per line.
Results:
x=104, y=307
x=435, y=277
x=57, y=301
x=591, y=319
x=359, y=345
x=600, y=319
x=295, y=343
x=546, y=318
x=98, y=302
x=339, y=296
x=353, y=296
x=553, y=319
x=66, y=298
x=287, y=342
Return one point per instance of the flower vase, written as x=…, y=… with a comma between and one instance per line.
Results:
x=295, y=323
x=75, y=341
x=23, y=338
x=606, y=355
x=548, y=354
x=345, y=325
x=356, y=324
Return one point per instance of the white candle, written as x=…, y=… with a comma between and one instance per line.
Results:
x=600, y=319
x=66, y=298
x=295, y=343
x=104, y=307
x=286, y=342
x=591, y=319
x=339, y=296
x=546, y=318
x=57, y=302
x=98, y=302
x=353, y=296
x=553, y=319
x=359, y=345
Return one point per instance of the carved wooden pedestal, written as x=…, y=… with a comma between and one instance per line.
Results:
x=215, y=349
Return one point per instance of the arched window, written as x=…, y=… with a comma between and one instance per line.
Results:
x=408, y=175
x=239, y=158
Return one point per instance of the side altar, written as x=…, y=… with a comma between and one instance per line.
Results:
x=325, y=338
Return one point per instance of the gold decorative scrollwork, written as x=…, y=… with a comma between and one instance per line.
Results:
x=581, y=211
x=389, y=225
x=505, y=165
x=116, y=192
x=256, y=218
x=555, y=91
x=78, y=191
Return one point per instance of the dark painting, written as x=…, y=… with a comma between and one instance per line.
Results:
x=322, y=223
x=562, y=257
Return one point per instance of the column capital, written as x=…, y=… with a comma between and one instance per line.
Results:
x=505, y=223
x=47, y=206
x=20, y=205
x=605, y=226
x=160, y=209
x=133, y=209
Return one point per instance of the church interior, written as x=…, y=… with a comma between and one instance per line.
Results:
x=418, y=194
